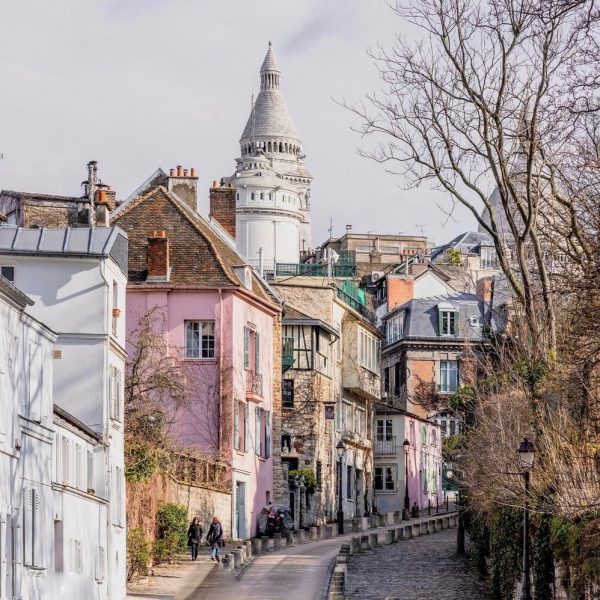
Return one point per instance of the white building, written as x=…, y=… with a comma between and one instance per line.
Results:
x=271, y=181
x=77, y=280
x=26, y=438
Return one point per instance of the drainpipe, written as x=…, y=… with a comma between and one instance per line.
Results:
x=220, y=440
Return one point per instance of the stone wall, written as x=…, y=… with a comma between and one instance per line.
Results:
x=280, y=485
x=143, y=500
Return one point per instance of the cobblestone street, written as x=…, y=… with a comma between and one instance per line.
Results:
x=424, y=568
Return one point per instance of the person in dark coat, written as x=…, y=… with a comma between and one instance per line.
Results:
x=194, y=537
x=215, y=538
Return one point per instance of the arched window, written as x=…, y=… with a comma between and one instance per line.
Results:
x=286, y=148
x=262, y=196
x=269, y=147
x=252, y=196
x=280, y=147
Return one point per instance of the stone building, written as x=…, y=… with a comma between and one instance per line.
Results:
x=328, y=394
x=271, y=181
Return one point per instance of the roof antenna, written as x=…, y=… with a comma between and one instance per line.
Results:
x=330, y=227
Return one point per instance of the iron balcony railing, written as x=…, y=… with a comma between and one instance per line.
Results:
x=287, y=353
x=355, y=304
x=254, y=384
x=385, y=447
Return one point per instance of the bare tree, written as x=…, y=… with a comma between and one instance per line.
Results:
x=477, y=107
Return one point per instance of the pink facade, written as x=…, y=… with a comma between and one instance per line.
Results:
x=226, y=386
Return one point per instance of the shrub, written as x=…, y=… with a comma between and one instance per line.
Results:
x=310, y=480
x=171, y=524
x=138, y=553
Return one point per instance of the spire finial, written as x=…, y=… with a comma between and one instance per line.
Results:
x=270, y=43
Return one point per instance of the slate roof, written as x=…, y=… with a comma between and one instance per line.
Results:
x=422, y=321
x=41, y=197
x=468, y=243
x=199, y=257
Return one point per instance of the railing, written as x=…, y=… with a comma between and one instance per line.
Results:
x=254, y=384
x=356, y=305
x=313, y=270
x=385, y=447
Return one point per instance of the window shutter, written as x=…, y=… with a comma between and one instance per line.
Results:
x=99, y=564
x=236, y=426
x=246, y=348
x=36, y=546
x=27, y=527
x=455, y=332
x=257, y=352
x=440, y=322
x=118, y=394
x=267, y=434
x=111, y=391
x=91, y=480
x=246, y=427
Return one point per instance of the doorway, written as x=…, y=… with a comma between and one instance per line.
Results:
x=240, y=510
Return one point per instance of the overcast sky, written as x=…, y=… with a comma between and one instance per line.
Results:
x=138, y=84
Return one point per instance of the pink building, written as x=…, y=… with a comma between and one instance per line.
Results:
x=224, y=320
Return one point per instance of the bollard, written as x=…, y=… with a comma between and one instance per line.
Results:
x=312, y=534
x=388, y=538
x=231, y=561
x=242, y=549
x=389, y=518
x=431, y=526
x=328, y=532
x=408, y=532
x=237, y=559
x=355, y=525
x=424, y=529
x=364, y=523
x=289, y=539
x=264, y=543
x=400, y=534
x=439, y=525
x=392, y=533
x=355, y=545
x=374, y=540
x=381, y=521
x=429, y=506
x=226, y=562
x=248, y=545
x=276, y=541
x=320, y=532
x=445, y=521
x=364, y=543
x=416, y=530
x=452, y=521
x=397, y=517
x=255, y=546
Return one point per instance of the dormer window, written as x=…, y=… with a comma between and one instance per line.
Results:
x=448, y=319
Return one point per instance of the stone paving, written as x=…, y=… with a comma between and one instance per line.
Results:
x=423, y=568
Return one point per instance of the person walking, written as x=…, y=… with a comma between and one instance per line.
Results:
x=194, y=537
x=215, y=539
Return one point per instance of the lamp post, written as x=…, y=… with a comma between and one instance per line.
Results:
x=340, y=449
x=460, y=529
x=406, y=511
x=526, y=455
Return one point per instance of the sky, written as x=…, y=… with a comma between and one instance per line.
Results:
x=141, y=84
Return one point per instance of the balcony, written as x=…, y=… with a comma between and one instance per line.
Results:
x=254, y=386
x=385, y=447
x=355, y=439
x=355, y=304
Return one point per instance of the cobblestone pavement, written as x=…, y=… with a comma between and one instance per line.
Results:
x=424, y=568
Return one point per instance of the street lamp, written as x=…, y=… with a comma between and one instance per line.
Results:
x=406, y=511
x=526, y=455
x=340, y=449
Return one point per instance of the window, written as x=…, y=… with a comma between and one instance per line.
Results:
x=251, y=350
x=286, y=442
x=8, y=273
x=384, y=429
x=489, y=259
x=363, y=248
x=252, y=196
x=448, y=375
x=262, y=196
x=397, y=379
x=386, y=379
x=115, y=307
x=394, y=328
x=199, y=339
x=368, y=350
x=390, y=250
x=448, y=322
x=240, y=426
x=349, y=482
x=348, y=416
x=115, y=393
x=319, y=474
x=385, y=478
x=359, y=422
x=287, y=393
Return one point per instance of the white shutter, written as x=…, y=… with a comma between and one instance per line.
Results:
x=99, y=564
x=36, y=541
x=78, y=466
x=257, y=352
x=91, y=479
x=118, y=394
x=3, y=564
x=246, y=348
x=27, y=527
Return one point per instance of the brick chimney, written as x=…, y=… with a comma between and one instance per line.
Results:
x=400, y=289
x=222, y=206
x=158, y=257
x=485, y=288
x=184, y=184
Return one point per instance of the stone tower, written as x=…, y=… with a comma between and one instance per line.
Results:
x=271, y=182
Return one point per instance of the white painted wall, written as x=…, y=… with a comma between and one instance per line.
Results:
x=429, y=285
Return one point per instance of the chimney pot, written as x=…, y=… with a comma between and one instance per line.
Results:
x=178, y=170
x=214, y=184
x=171, y=172
x=192, y=172
x=185, y=172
